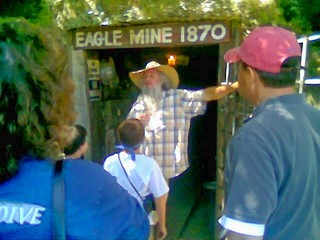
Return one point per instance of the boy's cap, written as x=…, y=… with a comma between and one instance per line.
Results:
x=265, y=48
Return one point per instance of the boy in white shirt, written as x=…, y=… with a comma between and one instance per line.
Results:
x=139, y=174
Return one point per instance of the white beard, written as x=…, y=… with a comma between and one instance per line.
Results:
x=152, y=97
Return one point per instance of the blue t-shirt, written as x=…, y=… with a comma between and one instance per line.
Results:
x=273, y=167
x=96, y=206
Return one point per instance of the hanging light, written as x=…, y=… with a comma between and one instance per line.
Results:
x=171, y=59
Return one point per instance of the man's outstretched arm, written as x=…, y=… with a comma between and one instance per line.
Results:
x=218, y=92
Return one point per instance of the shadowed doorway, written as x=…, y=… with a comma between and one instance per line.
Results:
x=199, y=72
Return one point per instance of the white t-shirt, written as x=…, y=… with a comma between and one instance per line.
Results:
x=144, y=173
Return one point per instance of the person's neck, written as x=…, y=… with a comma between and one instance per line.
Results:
x=77, y=155
x=136, y=151
x=269, y=92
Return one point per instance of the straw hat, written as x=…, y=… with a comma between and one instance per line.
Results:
x=170, y=72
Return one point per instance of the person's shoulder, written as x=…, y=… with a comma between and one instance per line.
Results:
x=89, y=176
x=147, y=163
x=145, y=158
x=262, y=125
x=85, y=168
x=110, y=158
x=313, y=110
x=151, y=163
x=80, y=163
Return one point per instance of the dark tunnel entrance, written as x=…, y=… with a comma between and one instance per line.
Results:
x=198, y=70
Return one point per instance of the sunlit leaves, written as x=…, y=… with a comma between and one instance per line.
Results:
x=73, y=14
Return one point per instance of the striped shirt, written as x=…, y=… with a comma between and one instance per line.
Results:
x=168, y=129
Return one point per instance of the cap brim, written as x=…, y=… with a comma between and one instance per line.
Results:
x=232, y=55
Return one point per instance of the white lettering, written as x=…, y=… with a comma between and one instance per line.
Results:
x=36, y=215
x=192, y=34
x=167, y=34
x=20, y=213
x=136, y=38
x=4, y=211
x=147, y=36
x=98, y=39
x=89, y=40
x=106, y=38
x=155, y=36
x=80, y=39
x=206, y=29
x=25, y=217
x=12, y=215
x=117, y=34
x=182, y=37
x=222, y=34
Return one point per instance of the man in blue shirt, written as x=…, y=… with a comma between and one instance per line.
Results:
x=272, y=184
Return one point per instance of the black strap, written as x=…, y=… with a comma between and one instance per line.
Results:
x=128, y=177
x=58, y=202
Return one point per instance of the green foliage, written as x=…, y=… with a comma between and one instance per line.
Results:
x=71, y=14
x=300, y=15
x=313, y=95
x=310, y=9
x=291, y=11
x=23, y=8
x=74, y=14
x=37, y=11
x=314, y=60
x=254, y=13
x=313, y=71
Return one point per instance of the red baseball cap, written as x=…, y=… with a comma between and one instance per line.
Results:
x=265, y=48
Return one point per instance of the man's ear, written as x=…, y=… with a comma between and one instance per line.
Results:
x=252, y=76
x=254, y=84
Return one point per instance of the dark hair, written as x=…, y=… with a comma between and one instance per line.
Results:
x=131, y=133
x=286, y=77
x=78, y=141
x=35, y=93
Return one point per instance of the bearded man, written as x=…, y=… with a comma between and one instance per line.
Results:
x=166, y=113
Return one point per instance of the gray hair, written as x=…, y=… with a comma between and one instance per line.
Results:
x=166, y=85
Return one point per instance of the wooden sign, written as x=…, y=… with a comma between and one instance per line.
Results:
x=161, y=35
